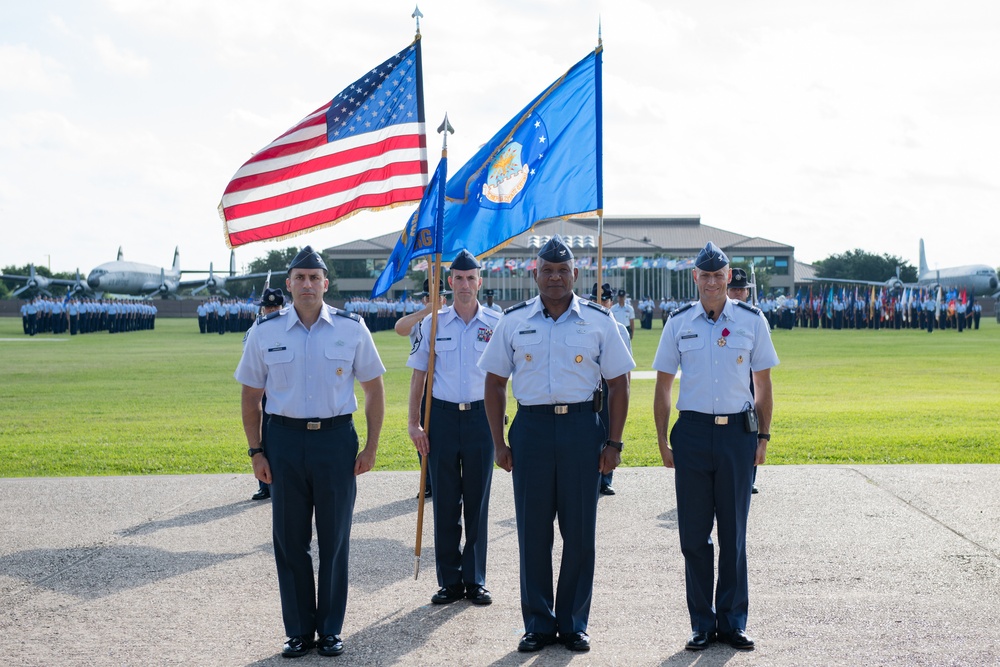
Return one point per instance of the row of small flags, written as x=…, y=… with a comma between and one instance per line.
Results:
x=498, y=264
x=909, y=300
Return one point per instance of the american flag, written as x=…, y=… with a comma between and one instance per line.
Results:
x=365, y=149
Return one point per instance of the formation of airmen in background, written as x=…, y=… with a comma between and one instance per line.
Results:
x=226, y=315
x=861, y=312
x=381, y=314
x=82, y=316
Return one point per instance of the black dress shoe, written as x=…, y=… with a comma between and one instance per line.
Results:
x=607, y=490
x=296, y=647
x=577, y=641
x=448, y=594
x=699, y=641
x=738, y=639
x=535, y=641
x=754, y=489
x=330, y=645
x=262, y=494
x=478, y=595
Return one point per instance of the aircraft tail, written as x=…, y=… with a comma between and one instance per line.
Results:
x=923, y=259
x=176, y=267
x=121, y=255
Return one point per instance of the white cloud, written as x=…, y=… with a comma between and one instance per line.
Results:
x=26, y=70
x=119, y=59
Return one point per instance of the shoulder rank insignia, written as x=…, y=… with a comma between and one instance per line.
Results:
x=344, y=313
x=271, y=316
x=747, y=306
x=516, y=306
x=680, y=310
x=597, y=306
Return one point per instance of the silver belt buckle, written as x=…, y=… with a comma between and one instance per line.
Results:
x=560, y=409
x=313, y=426
x=462, y=407
x=722, y=421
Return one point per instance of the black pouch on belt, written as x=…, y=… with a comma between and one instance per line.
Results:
x=750, y=420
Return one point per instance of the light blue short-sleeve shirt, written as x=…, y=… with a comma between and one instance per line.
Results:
x=554, y=362
x=309, y=373
x=716, y=358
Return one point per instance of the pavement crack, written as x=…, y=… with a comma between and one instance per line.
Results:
x=930, y=516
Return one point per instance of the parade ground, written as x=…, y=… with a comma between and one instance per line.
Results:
x=849, y=565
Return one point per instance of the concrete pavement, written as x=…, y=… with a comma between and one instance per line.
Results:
x=849, y=565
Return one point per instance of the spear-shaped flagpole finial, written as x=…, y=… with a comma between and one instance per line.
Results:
x=445, y=128
x=600, y=42
x=417, y=15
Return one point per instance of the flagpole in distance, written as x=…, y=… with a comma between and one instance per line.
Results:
x=445, y=128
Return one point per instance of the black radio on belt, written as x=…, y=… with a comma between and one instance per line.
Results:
x=750, y=419
x=598, y=399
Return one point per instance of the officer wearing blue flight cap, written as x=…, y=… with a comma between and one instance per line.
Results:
x=306, y=358
x=458, y=446
x=721, y=432
x=556, y=347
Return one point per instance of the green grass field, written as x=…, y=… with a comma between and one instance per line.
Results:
x=165, y=402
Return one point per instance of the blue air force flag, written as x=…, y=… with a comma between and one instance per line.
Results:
x=544, y=163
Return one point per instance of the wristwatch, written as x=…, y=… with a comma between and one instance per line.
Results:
x=764, y=436
x=617, y=445
x=254, y=450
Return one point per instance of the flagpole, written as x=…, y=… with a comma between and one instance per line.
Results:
x=433, y=281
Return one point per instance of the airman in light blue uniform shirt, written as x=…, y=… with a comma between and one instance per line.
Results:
x=555, y=348
x=717, y=343
x=458, y=445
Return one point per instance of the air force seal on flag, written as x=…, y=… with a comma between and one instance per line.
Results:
x=515, y=164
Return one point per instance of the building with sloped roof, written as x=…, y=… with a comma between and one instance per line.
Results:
x=645, y=255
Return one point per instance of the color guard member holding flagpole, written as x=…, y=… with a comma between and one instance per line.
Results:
x=457, y=445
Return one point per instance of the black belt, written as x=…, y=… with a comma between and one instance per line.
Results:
x=311, y=424
x=586, y=406
x=718, y=420
x=459, y=407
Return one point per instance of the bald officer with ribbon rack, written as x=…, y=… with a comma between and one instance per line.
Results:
x=307, y=358
x=721, y=432
x=556, y=347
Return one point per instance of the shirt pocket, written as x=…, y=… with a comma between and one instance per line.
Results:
x=525, y=340
x=279, y=367
x=690, y=344
x=585, y=343
x=339, y=362
x=445, y=344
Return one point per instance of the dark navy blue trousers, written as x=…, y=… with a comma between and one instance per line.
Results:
x=556, y=459
x=713, y=466
x=312, y=472
x=460, y=464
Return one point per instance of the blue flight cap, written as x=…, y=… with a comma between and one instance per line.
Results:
x=711, y=258
x=465, y=261
x=739, y=280
x=272, y=297
x=555, y=251
x=308, y=259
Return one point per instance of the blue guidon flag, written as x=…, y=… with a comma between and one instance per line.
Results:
x=363, y=150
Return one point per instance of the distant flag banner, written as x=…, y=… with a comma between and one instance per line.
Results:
x=363, y=150
x=420, y=236
x=545, y=163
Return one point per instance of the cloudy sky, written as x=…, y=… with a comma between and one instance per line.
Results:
x=827, y=126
